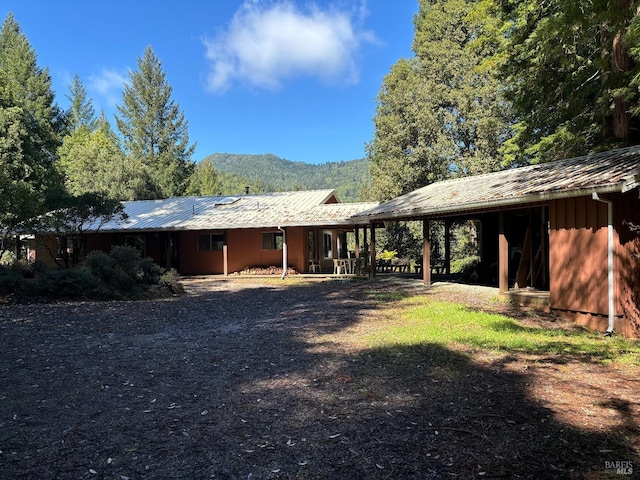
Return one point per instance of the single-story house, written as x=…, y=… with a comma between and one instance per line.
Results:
x=564, y=228
x=225, y=234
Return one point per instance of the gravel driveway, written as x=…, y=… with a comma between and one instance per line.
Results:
x=233, y=380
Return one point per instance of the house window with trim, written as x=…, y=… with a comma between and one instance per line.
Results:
x=210, y=242
x=327, y=244
x=272, y=241
x=137, y=242
x=66, y=246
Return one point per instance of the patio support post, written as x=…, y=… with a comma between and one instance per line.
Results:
x=447, y=246
x=17, y=247
x=364, y=238
x=334, y=244
x=357, y=235
x=426, y=252
x=543, y=248
x=285, y=252
x=372, y=251
x=225, y=254
x=167, y=251
x=503, y=256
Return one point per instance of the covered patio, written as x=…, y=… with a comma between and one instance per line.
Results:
x=560, y=228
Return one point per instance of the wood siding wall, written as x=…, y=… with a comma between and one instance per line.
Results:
x=578, y=255
x=627, y=214
x=578, y=260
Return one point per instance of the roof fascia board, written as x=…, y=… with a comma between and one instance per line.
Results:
x=496, y=204
x=346, y=223
x=631, y=183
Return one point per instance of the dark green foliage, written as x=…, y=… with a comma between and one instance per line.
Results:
x=65, y=284
x=169, y=282
x=121, y=275
x=269, y=173
x=205, y=180
x=81, y=111
x=31, y=126
x=124, y=273
x=399, y=237
x=10, y=281
x=154, y=129
x=465, y=266
x=568, y=67
x=73, y=217
x=441, y=112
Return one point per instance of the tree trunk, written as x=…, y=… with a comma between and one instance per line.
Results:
x=620, y=65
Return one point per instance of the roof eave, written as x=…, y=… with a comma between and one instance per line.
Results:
x=496, y=204
x=324, y=223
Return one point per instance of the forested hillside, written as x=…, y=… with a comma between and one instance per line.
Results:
x=264, y=173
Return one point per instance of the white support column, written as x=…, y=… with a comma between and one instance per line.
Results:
x=285, y=264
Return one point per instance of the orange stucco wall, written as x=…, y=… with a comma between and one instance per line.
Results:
x=194, y=262
x=45, y=246
x=244, y=247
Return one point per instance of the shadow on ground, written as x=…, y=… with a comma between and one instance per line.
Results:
x=230, y=381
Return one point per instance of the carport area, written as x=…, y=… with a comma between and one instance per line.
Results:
x=561, y=230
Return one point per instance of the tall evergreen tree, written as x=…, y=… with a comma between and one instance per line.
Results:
x=31, y=128
x=441, y=112
x=81, y=111
x=569, y=72
x=204, y=180
x=92, y=162
x=154, y=129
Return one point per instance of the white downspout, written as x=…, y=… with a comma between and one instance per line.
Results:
x=611, y=291
x=285, y=252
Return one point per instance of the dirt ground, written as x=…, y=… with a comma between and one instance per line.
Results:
x=239, y=379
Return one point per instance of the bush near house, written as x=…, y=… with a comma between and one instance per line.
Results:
x=120, y=275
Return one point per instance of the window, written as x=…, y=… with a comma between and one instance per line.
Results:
x=327, y=241
x=66, y=246
x=137, y=242
x=210, y=242
x=272, y=241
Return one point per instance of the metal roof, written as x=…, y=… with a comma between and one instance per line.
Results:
x=606, y=172
x=267, y=210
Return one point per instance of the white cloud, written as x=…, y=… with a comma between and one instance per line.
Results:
x=265, y=44
x=108, y=85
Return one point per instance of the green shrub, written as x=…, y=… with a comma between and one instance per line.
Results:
x=125, y=274
x=466, y=265
x=121, y=275
x=388, y=255
x=7, y=258
x=68, y=283
x=11, y=281
x=170, y=282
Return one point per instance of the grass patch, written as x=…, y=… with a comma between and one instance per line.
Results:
x=418, y=321
x=385, y=296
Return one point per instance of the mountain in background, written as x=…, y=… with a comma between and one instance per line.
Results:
x=269, y=173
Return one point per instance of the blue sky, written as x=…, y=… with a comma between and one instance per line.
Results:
x=297, y=79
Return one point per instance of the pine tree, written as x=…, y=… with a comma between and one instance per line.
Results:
x=441, y=112
x=205, y=180
x=81, y=111
x=92, y=162
x=154, y=129
x=569, y=71
x=31, y=128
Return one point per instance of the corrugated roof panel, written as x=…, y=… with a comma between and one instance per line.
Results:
x=248, y=211
x=613, y=171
